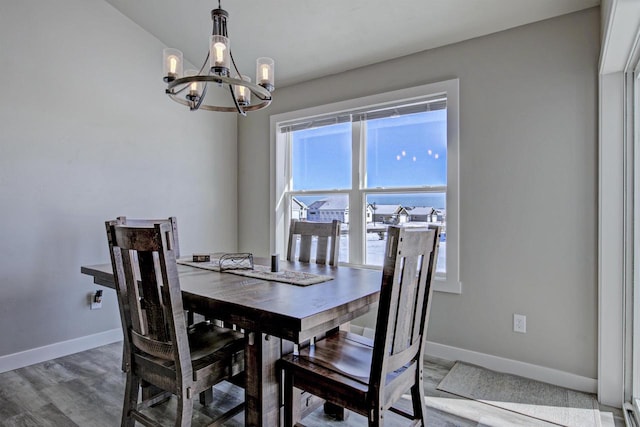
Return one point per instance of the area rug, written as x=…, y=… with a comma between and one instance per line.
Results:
x=527, y=397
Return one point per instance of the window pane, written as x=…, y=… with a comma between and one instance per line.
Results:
x=322, y=158
x=407, y=151
x=419, y=209
x=324, y=208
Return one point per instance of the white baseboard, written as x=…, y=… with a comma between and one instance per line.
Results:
x=510, y=366
x=539, y=373
x=59, y=349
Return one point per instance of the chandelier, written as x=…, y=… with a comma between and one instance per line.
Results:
x=190, y=88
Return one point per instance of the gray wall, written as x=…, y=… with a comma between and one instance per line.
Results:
x=528, y=184
x=88, y=134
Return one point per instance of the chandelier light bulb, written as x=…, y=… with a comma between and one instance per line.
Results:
x=220, y=59
x=243, y=94
x=264, y=73
x=193, y=87
x=219, y=50
x=171, y=64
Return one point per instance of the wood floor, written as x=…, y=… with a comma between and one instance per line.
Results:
x=86, y=389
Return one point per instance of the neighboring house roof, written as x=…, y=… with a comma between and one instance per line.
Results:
x=330, y=203
x=300, y=204
x=422, y=210
x=386, y=209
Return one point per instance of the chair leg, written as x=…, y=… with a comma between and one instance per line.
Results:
x=206, y=397
x=130, y=403
x=190, y=317
x=288, y=399
x=125, y=356
x=184, y=411
x=417, y=398
x=376, y=419
x=335, y=411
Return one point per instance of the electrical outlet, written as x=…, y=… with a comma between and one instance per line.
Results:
x=520, y=323
x=95, y=300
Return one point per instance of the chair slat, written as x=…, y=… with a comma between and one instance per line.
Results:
x=305, y=248
x=132, y=291
x=402, y=329
x=322, y=250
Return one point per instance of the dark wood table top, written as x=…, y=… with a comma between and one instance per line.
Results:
x=292, y=312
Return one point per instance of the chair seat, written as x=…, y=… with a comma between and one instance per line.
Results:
x=342, y=360
x=211, y=345
x=343, y=353
x=343, y=357
x=206, y=338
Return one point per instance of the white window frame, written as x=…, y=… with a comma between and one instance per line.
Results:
x=281, y=171
x=616, y=247
x=632, y=216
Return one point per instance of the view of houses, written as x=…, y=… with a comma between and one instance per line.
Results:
x=330, y=208
x=379, y=217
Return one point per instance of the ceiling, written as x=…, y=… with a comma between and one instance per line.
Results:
x=310, y=38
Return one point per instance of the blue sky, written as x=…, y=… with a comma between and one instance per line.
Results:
x=401, y=151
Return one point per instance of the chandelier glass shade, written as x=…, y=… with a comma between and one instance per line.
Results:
x=189, y=88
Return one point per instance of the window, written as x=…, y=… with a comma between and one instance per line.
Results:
x=385, y=159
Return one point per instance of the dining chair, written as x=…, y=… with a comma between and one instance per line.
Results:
x=164, y=351
x=369, y=376
x=123, y=220
x=327, y=245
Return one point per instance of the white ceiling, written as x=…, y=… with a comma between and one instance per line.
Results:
x=311, y=38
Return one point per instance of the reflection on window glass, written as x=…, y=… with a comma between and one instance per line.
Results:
x=324, y=208
x=322, y=158
x=417, y=209
x=407, y=151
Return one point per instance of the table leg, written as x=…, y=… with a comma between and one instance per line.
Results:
x=335, y=411
x=262, y=391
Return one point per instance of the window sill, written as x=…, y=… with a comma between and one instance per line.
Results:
x=447, y=286
x=440, y=284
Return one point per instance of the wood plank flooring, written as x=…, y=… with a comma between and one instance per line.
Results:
x=86, y=390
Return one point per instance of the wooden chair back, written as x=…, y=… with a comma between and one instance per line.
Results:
x=403, y=311
x=122, y=290
x=327, y=245
x=146, y=275
x=138, y=222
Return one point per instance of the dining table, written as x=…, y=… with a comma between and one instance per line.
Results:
x=273, y=314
